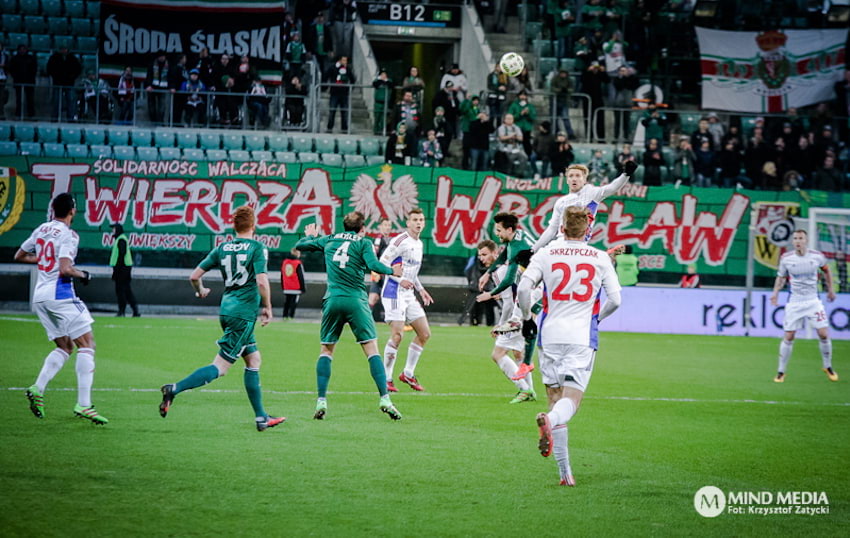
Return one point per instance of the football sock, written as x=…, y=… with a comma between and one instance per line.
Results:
x=376, y=368
x=562, y=412
x=255, y=394
x=509, y=368
x=560, y=450
x=85, y=375
x=529, y=350
x=390, y=354
x=825, y=346
x=323, y=374
x=529, y=380
x=785, y=347
x=53, y=362
x=198, y=378
x=413, y=353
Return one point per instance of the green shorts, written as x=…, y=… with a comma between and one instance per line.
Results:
x=337, y=311
x=238, y=338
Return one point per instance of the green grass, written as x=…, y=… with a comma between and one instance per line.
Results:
x=462, y=462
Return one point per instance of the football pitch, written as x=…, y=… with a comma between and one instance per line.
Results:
x=663, y=417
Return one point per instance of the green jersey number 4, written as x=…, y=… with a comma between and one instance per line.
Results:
x=238, y=275
x=341, y=255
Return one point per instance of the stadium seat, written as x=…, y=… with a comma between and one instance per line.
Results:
x=81, y=27
x=8, y=148
x=216, y=154
x=163, y=139
x=546, y=65
x=568, y=63
x=194, y=154
x=347, y=146
x=261, y=155
x=639, y=174
x=78, y=151
x=60, y=41
x=12, y=22
x=100, y=151
x=688, y=123
x=302, y=143
x=119, y=135
x=5, y=131
x=93, y=9
x=353, y=161
x=533, y=30
x=370, y=146
x=29, y=7
x=332, y=159
x=255, y=142
x=124, y=152
x=169, y=154
x=146, y=154
x=48, y=133
x=75, y=8
x=30, y=148
x=54, y=150
x=141, y=137
x=24, y=132
x=285, y=156
x=375, y=159
x=187, y=139
x=94, y=135
x=210, y=140
x=71, y=135
x=542, y=47
x=58, y=25
x=668, y=154
x=308, y=157
x=51, y=8
x=583, y=154
x=89, y=62
x=34, y=24
x=41, y=42
x=232, y=141
x=239, y=155
x=325, y=144
x=15, y=40
x=278, y=143
x=87, y=44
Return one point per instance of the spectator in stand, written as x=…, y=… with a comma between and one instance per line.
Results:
x=479, y=142
x=510, y=157
x=195, y=102
x=614, y=13
x=563, y=19
x=407, y=112
x=178, y=73
x=624, y=83
x=459, y=84
x=593, y=14
x=734, y=134
x=801, y=158
x=156, y=84
x=295, y=55
x=600, y=169
x=592, y=81
x=258, y=105
x=442, y=130
x=125, y=95
x=780, y=156
x=525, y=114
x=791, y=181
x=758, y=152
x=469, y=111
x=704, y=165
x=414, y=84
x=523, y=82
x=292, y=282
x=343, y=13
x=653, y=160
x=583, y=53
x=729, y=162
x=615, y=53
x=825, y=144
x=23, y=67
x=205, y=67
x=769, y=178
x=288, y=28
x=821, y=117
x=654, y=122
x=245, y=75
x=400, y=148
x=383, y=93
x=430, y=152
x=842, y=106
x=623, y=157
x=64, y=68
x=562, y=91
x=690, y=279
x=788, y=136
x=447, y=99
x=318, y=40
x=799, y=125
x=683, y=162
x=296, y=97
x=542, y=142
x=561, y=154
x=224, y=77
x=702, y=134
x=5, y=58
x=340, y=77
x=95, y=98
x=497, y=91
x=827, y=177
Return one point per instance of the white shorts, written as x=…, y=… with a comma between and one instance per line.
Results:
x=797, y=313
x=513, y=341
x=566, y=365
x=65, y=317
x=405, y=307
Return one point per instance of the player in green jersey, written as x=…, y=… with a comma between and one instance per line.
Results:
x=349, y=257
x=242, y=262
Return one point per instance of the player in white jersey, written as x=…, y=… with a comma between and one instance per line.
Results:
x=573, y=275
x=53, y=247
x=801, y=267
x=399, y=300
x=581, y=195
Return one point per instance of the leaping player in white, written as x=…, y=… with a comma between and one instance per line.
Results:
x=573, y=274
x=801, y=267
x=53, y=247
x=400, y=302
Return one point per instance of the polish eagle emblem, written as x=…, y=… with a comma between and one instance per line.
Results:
x=384, y=198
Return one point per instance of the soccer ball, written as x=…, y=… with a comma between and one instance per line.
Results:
x=512, y=64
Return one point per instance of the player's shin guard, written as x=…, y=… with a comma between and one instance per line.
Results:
x=323, y=375
x=509, y=368
x=53, y=362
x=825, y=346
x=414, y=351
x=560, y=450
x=376, y=368
x=785, y=347
x=255, y=394
x=562, y=412
x=198, y=378
x=85, y=375
x=390, y=354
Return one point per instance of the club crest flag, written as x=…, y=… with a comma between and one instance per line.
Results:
x=769, y=71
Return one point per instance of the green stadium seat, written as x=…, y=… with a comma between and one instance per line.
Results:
x=688, y=123
x=533, y=31
x=12, y=22
x=54, y=150
x=95, y=135
x=239, y=155
x=639, y=174
x=255, y=142
x=41, y=59
x=583, y=154
x=232, y=141
x=347, y=146
x=124, y=152
x=93, y=9
x=48, y=133
x=145, y=153
x=285, y=156
x=9, y=6
x=325, y=144
x=35, y=24
x=78, y=151
x=307, y=157
x=8, y=148
x=24, y=133
x=141, y=137
x=42, y=42
x=261, y=155
x=5, y=131
x=353, y=161
x=100, y=151
x=89, y=62
x=667, y=153
x=542, y=47
x=15, y=40
x=169, y=154
x=210, y=140
x=302, y=143
x=546, y=66
x=194, y=154
x=332, y=159
x=87, y=44
x=60, y=41
x=71, y=135
x=119, y=135
x=58, y=25
x=370, y=146
x=51, y=8
x=29, y=7
x=163, y=139
x=75, y=8
x=81, y=27
x=30, y=148
x=216, y=155
x=187, y=139
x=568, y=63
x=278, y=142
x=372, y=160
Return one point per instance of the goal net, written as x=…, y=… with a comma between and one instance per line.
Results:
x=829, y=232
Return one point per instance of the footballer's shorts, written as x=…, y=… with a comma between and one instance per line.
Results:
x=405, y=307
x=513, y=341
x=238, y=338
x=797, y=313
x=354, y=311
x=64, y=317
x=566, y=365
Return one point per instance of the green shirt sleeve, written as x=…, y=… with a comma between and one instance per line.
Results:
x=311, y=244
x=507, y=282
x=503, y=257
x=212, y=260
x=371, y=260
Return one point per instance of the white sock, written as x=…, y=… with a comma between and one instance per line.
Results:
x=509, y=368
x=390, y=353
x=529, y=380
x=413, y=352
x=53, y=362
x=785, y=348
x=560, y=450
x=562, y=412
x=85, y=375
x=825, y=346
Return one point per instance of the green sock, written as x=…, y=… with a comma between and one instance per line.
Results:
x=198, y=378
x=323, y=374
x=529, y=350
x=255, y=395
x=379, y=373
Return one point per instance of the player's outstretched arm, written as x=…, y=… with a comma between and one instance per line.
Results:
x=198, y=284
x=266, y=298
x=777, y=285
x=375, y=265
x=612, y=303
x=22, y=256
x=549, y=233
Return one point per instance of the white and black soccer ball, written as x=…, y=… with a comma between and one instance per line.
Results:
x=512, y=64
